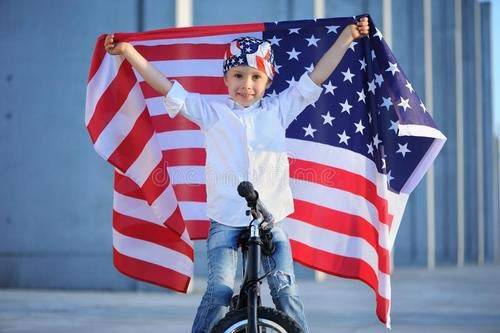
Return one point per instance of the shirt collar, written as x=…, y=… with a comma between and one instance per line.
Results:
x=237, y=107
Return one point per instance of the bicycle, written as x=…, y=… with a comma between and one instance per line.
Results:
x=246, y=314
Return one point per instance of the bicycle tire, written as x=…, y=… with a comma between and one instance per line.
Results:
x=269, y=318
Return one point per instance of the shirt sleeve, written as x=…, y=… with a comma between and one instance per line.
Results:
x=295, y=99
x=191, y=105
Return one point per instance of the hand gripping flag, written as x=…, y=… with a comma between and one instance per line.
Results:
x=355, y=155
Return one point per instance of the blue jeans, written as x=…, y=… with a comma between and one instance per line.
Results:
x=222, y=255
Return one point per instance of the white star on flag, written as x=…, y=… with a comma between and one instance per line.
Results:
x=359, y=127
x=329, y=88
x=389, y=177
x=294, y=31
x=312, y=41
x=370, y=148
x=352, y=45
x=394, y=126
x=371, y=86
x=423, y=106
x=277, y=68
x=409, y=86
x=376, y=141
x=327, y=119
x=346, y=107
x=378, y=34
x=293, y=54
x=361, y=95
x=405, y=103
x=332, y=28
x=363, y=64
x=379, y=79
x=274, y=41
x=348, y=75
x=343, y=138
x=403, y=149
x=310, y=68
x=309, y=131
x=387, y=102
x=393, y=68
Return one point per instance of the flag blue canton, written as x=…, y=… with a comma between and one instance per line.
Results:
x=363, y=102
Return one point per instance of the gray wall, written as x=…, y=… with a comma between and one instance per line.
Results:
x=56, y=198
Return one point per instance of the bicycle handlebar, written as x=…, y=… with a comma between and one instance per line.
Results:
x=246, y=190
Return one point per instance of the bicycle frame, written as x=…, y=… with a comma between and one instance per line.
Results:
x=252, y=275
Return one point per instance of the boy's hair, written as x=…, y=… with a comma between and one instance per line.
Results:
x=252, y=52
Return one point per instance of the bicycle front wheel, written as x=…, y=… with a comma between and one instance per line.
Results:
x=269, y=320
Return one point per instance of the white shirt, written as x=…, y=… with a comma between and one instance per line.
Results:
x=245, y=144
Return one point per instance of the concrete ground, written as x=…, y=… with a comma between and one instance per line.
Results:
x=445, y=300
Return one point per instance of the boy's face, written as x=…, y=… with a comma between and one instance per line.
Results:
x=246, y=85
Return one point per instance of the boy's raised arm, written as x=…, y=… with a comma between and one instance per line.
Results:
x=150, y=74
x=329, y=61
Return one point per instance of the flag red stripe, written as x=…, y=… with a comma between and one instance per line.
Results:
x=150, y=232
x=163, y=123
x=343, y=223
x=191, y=192
x=175, y=221
x=345, y=267
x=97, y=57
x=211, y=85
x=151, y=273
x=190, y=32
x=343, y=180
x=126, y=186
x=111, y=100
x=156, y=183
x=198, y=229
x=185, y=156
x=183, y=192
x=182, y=51
x=131, y=147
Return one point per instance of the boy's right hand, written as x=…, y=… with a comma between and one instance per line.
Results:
x=112, y=48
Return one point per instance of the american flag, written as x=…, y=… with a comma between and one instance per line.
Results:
x=355, y=155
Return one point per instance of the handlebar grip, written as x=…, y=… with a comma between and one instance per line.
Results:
x=246, y=190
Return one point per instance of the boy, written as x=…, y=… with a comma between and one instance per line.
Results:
x=245, y=140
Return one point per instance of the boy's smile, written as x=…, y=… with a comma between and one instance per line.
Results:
x=246, y=85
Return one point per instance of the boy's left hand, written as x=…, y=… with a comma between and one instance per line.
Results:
x=360, y=29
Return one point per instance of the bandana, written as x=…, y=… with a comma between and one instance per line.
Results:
x=252, y=52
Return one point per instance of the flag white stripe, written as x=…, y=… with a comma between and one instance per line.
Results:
x=152, y=253
x=339, y=244
x=99, y=83
x=192, y=210
x=215, y=39
x=133, y=207
x=157, y=108
x=187, y=174
x=420, y=130
x=139, y=209
x=145, y=163
x=188, y=67
x=165, y=204
x=121, y=124
x=181, y=139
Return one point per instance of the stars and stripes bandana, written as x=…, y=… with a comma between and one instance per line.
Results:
x=355, y=155
x=252, y=52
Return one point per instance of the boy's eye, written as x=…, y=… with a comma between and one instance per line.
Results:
x=256, y=77
x=237, y=75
